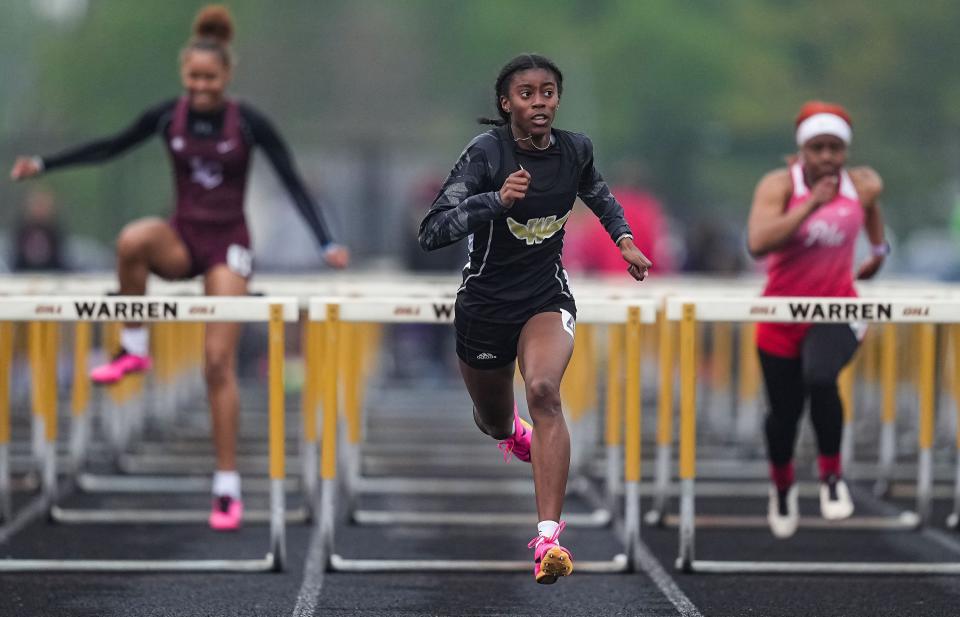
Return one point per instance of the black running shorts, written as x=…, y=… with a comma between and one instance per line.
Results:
x=489, y=345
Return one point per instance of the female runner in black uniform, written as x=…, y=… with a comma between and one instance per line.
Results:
x=209, y=138
x=511, y=193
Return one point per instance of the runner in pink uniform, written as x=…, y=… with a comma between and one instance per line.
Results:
x=805, y=221
x=209, y=139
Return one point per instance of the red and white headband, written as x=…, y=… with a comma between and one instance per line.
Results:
x=824, y=124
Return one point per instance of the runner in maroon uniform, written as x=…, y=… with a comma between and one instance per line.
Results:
x=209, y=138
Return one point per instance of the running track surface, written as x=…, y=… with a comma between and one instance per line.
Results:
x=304, y=589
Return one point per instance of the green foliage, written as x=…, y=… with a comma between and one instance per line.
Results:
x=703, y=94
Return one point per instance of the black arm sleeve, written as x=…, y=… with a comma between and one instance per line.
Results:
x=148, y=124
x=460, y=208
x=266, y=137
x=594, y=192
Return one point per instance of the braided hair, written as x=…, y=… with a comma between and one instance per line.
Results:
x=523, y=62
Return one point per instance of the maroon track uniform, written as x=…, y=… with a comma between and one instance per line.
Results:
x=210, y=155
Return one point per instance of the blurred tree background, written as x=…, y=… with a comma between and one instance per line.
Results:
x=373, y=95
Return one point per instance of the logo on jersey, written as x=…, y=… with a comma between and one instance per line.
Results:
x=537, y=230
x=569, y=323
x=208, y=174
x=486, y=356
x=824, y=234
x=177, y=144
x=226, y=146
x=240, y=260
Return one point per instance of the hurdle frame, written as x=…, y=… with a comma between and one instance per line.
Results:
x=46, y=311
x=335, y=311
x=777, y=309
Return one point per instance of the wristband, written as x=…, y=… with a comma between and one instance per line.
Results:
x=38, y=161
x=622, y=236
x=880, y=250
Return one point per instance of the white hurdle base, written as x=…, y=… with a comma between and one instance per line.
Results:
x=266, y=564
x=813, y=567
x=597, y=518
x=618, y=564
x=95, y=483
x=906, y=521
x=160, y=517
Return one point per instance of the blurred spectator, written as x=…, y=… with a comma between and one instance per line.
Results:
x=715, y=246
x=38, y=242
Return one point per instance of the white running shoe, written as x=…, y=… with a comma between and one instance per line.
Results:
x=783, y=511
x=835, y=502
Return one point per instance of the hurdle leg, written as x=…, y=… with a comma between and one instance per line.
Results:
x=846, y=386
x=278, y=544
x=48, y=377
x=80, y=395
x=6, y=356
x=350, y=372
x=888, y=435
x=632, y=435
x=927, y=378
x=308, y=440
x=664, y=421
x=328, y=452
x=614, y=417
x=688, y=435
x=953, y=520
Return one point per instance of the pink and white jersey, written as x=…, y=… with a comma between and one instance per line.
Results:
x=817, y=261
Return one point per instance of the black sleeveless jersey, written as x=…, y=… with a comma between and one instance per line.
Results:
x=514, y=265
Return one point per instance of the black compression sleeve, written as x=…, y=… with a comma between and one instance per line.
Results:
x=106, y=148
x=265, y=136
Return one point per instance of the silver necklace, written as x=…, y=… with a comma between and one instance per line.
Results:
x=535, y=146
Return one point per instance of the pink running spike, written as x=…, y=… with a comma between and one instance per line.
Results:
x=519, y=443
x=226, y=514
x=124, y=363
x=550, y=560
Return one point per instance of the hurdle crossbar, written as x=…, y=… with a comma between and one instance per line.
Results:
x=335, y=311
x=51, y=310
x=688, y=311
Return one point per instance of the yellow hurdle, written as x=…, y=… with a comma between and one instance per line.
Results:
x=308, y=400
x=634, y=341
x=6, y=361
x=328, y=464
x=351, y=358
x=662, y=474
x=721, y=356
x=955, y=382
x=80, y=396
x=275, y=355
x=688, y=432
x=614, y=407
x=888, y=407
x=6, y=358
x=927, y=398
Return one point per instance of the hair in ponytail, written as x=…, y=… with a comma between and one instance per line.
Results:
x=212, y=31
x=523, y=62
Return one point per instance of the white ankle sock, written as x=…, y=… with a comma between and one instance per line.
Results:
x=226, y=484
x=135, y=340
x=546, y=529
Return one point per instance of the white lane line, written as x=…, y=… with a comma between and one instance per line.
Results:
x=313, y=573
x=665, y=583
x=32, y=511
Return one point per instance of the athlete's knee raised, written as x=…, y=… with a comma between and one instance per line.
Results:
x=131, y=242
